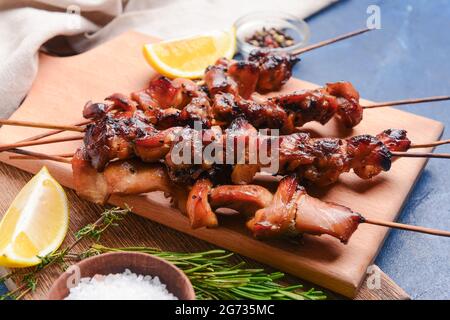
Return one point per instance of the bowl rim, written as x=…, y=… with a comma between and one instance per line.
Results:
x=85, y=262
x=246, y=48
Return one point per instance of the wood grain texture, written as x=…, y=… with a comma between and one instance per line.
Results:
x=63, y=86
x=137, y=231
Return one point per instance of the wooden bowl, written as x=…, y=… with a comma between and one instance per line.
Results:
x=140, y=263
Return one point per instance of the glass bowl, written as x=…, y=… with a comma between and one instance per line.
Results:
x=295, y=27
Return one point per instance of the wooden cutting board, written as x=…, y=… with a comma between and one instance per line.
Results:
x=63, y=85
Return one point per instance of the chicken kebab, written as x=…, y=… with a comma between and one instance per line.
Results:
x=122, y=131
x=219, y=100
x=289, y=212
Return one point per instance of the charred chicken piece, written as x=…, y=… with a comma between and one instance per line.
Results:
x=226, y=107
x=165, y=93
x=123, y=177
x=238, y=135
x=395, y=140
x=369, y=156
x=350, y=111
x=246, y=199
x=246, y=75
x=110, y=136
x=218, y=81
x=293, y=211
x=275, y=69
x=308, y=105
x=198, y=207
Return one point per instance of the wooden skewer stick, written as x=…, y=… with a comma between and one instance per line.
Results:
x=53, y=132
x=78, y=127
x=330, y=41
x=30, y=157
x=377, y=222
x=429, y=145
x=407, y=227
x=41, y=156
x=33, y=124
x=407, y=101
x=421, y=155
x=55, y=140
x=6, y=147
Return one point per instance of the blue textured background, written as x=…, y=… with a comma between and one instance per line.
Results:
x=409, y=57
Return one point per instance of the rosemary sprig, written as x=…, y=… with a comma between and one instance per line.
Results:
x=212, y=274
x=29, y=280
x=214, y=277
x=109, y=218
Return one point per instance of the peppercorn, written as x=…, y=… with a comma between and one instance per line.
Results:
x=270, y=38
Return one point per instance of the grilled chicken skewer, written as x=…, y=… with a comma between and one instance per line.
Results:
x=290, y=211
x=263, y=71
x=121, y=132
x=180, y=102
x=119, y=136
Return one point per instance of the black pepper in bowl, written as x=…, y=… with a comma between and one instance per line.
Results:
x=270, y=38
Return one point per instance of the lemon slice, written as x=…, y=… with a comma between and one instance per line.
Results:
x=36, y=222
x=189, y=57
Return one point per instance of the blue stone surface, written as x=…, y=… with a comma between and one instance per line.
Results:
x=409, y=57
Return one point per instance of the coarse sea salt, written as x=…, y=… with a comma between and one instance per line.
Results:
x=120, y=286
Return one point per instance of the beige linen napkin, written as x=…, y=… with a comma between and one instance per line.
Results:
x=27, y=26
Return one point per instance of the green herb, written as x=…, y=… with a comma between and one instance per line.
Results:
x=212, y=274
x=109, y=218
x=214, y=277
x=29, y=280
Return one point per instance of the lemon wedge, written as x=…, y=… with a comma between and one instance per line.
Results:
x=189, y=57
x=36, y=222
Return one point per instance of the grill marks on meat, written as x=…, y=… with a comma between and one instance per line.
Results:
x=320, y=161
x=288, y=111
x=289, y=212
x=275, y=69
x=112, y=137
x=369, y=156
x=218, y=81
x=350, y=111
x=179, y=102
x=165, y=93
x=246, y=75
x=264, y=71
x=335, y=99
x=228, y=98
x=395, y=140
x=308, y=105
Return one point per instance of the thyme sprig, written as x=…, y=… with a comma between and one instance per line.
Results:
x=215, y=277
x=109, y=218
x=29, y=280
